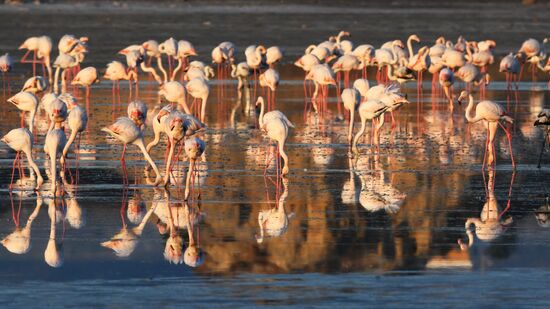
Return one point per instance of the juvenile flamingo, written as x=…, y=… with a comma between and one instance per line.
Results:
x=492, y=114
x=21, y=140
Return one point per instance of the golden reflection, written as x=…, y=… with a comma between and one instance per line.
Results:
x=492, y=222
x=274, y=221
x=19, y=241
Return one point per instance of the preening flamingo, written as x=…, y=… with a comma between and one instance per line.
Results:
x=26, y=102
x=492, y=114
x=21, y=140
x=273, y=55
x=126, y=131
x=35, y=84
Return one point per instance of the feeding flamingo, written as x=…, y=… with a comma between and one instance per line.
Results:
x=21, y=140
x=126, y=131
x=41, y=47
x=174, y=92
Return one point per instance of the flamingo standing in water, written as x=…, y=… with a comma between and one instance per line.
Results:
x=530, y=51
x=351, y=99
x=492, y=114
x=175, y=130
x=6, y=65
x=26, y=102
x=276, y=125
x=174, y=92
x=77, y=121
x=306, y=63
x=241, y=71
x=21, y=140
x=116, y=72
x=35, y=84
x=137, y=111
x=446, y=80
x=198, y=88
x=511, y=66
x=322, y=76
x=41, y=48
x=273, y=55
x=270, y=79
x=369, y=110
x=185, y=50
x=170, y=48
x=86, y=78
x=194, y=148
x=254, y=57
x=55, y=139
x=126, y=131
x=63, y=62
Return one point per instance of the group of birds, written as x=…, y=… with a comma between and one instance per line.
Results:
x=322, y=64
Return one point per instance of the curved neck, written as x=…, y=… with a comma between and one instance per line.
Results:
x=409, y=46
x=178, y=68
x=161, y=68
x=152, y=71
x=394, y=54
x=234, y=71
x=470, y=112
x=261, y=118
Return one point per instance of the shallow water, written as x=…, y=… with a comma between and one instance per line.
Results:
x=340, y=246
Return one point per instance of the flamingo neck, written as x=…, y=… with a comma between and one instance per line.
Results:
x=409, y=46
x=470, y=112
x=261, y=118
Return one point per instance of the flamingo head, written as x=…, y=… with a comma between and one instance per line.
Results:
x=259, y=101
x=463, y=95
x=440, y=40
x=414, y=37
x=193, y=256
x=173, y=249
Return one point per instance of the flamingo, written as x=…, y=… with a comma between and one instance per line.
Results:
x=276, y=125
x=55, y=139
x=77, y=120
x=21, y=140
x=35, y=85
x=174, y=92
x=543, y=119
x=170, y=48
x=194, y=148
x=322, y=75
x=199, y=89
x=351, y=99
x=419, y=63
x=273, y=55
x=241, y=71
x=152, y=50
x=254, y=57
x=173, y=126
x=270, y=80
x=386, y=56
x=306, y=63
x=65, y=62
x=511, y=66
x=366, y=53
x=446, y=80
x=492, y=114
x=86, y=78
x=532, y=51
x=369, y=110
x=26, y=102
x=185, y=50
x=116, y=72
x=137, y=112
x=361, y=85
x=126, y=131
x=205, y=73
x=41, y=47
x=6, y=65
x=320, y=52
x=453, y=58
x=469, y=73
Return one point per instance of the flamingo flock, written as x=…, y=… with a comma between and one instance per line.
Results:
x=185, y=85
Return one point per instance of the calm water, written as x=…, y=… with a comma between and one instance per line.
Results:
x=382, y=228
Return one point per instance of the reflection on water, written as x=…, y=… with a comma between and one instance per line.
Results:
x=402, y=204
